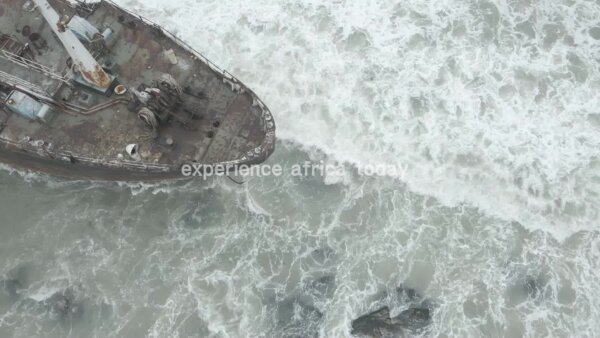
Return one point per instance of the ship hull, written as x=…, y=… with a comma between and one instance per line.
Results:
x=74, y=170
x=202, y=114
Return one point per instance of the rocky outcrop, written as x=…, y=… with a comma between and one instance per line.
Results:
x=380, y=323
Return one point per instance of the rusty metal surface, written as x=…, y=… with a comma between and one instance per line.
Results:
x=97, y=77
x=234, y=125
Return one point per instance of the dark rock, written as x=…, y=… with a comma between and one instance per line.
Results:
x=380, y=323
x=414, y=319
x=376, y=324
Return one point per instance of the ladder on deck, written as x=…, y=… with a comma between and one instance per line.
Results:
x=7, y=43
x=12, y=81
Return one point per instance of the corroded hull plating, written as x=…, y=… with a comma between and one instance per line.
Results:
x=83, y=168
x=75, y=170
x=224, y=146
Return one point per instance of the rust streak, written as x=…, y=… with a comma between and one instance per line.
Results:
x=97, y=77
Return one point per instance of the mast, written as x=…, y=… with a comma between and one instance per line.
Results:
x=87, y=65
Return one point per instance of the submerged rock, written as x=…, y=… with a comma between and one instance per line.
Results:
x=11, y=287
x=64, y=304
x=380, y=323
x=301, y=314
x=530, y=288
x=16, y=279
x=324, y=257
x=375, y=324
x=414, y=319
x=298, y=319
x=319, y=290
x=194, y=326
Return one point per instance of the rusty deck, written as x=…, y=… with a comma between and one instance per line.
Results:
x=230, y=123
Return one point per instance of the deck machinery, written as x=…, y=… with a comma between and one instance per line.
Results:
x=90, y=90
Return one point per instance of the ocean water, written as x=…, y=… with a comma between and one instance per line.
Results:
x=490, y=107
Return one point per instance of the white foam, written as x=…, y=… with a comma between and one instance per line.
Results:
x=445, y=89
x=476, y=110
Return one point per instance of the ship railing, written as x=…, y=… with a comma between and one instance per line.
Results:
x=12, y=81
x=226, y=74
x=10, y=44
x=199, y=55
x=29, y=64
x=42, y=151
x=120, y=163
